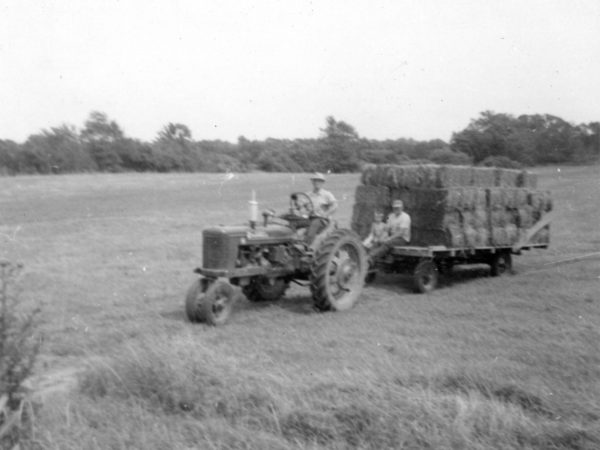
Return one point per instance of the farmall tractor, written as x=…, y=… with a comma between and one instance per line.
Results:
x=259, y=261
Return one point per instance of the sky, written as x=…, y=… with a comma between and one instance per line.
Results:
x=419, y=69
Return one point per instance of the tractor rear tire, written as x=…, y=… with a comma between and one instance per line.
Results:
x=217, y=303
x=425, y=276
x=193, y=299
x=263, y=289
x=338, y=271
x=500, y=264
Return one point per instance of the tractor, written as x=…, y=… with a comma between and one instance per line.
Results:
x=259, y=261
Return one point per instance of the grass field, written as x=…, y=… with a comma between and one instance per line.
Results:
x=504, y=363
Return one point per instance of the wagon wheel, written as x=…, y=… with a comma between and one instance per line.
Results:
x=193, y=299
x=338, y=271
x=218, y=302
x=265, y=289
x=500, y=264
x=425, y=276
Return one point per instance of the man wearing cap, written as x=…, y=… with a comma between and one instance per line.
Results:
x=398, y=225
x=324, y=205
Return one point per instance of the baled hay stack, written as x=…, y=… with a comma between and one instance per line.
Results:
x=476, y=218
x=483, y=176
x=507, y=177
x=368, y=199
x=454, y=176
x=400, y=177
x=458, y=198
x=527, y=180
x=454, y=206
x=504, y=236
x=524, y=217
x=541, y=201
x=510, y=198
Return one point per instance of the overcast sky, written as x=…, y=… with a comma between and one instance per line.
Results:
x=420, y=69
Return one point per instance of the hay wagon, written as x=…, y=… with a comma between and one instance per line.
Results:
x=460, y=215
x=427, y=263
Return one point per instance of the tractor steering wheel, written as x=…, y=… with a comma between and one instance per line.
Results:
x=301, y=205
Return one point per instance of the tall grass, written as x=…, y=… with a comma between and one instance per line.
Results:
x=178, y=394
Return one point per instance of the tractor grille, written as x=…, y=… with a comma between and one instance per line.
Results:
x=219, y=250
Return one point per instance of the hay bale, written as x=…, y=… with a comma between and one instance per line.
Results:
x=373, y=194
x=483, y=176
x=524, y=219
x=521, y=197
x=451, y=235
x=495, y=198
x=368, y=199
x=470, y=236
x=507, y=177
x=401, y=176
x=476, y=218
x=483, y=237
x=479, y=198
x=512, y=234
x=540, y=201
x=503, y=197
x=437, y=200
x=499, y=238
x=499, y=218
x=367, y=177
x=453, y=176
x=456, y=236
x=425, y=237
x=527, y=179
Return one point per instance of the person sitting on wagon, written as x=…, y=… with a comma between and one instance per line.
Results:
x=398, y=228
x=379, y=231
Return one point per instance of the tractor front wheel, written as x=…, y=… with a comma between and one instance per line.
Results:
x=193, y=299
x=338, y=271
x=218, y=302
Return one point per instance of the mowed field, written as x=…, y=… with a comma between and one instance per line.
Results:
x=507, y=363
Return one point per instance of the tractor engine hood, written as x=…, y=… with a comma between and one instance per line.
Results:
x=244, y=231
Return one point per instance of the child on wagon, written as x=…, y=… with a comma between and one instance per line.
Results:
x=379, y=231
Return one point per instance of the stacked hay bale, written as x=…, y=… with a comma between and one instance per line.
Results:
x=455, y=206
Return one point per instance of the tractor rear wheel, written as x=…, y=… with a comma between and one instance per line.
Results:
x=265, y=289
x=193, y=299
x=218, y=302
x=338, y=271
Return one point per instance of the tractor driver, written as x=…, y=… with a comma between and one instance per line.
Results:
x=398, y=226
x=324, y=205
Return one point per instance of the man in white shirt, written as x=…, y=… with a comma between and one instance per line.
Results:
x=398, y=225
x=324, y=205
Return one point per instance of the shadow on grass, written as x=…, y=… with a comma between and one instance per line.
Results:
x=298, y=304
x=402, y=283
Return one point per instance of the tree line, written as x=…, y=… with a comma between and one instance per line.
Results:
x=491, y=139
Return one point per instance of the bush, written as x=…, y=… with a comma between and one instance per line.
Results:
x=18, y=351
x=501, y=161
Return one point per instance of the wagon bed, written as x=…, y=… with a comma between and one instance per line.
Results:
x=425, y=263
